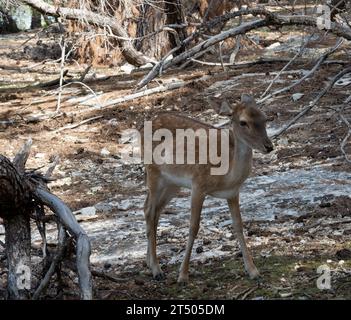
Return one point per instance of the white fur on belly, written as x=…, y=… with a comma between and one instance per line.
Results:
x=225, y=194
x=178, y=180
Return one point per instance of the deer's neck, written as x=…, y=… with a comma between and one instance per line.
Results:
x=242, y=159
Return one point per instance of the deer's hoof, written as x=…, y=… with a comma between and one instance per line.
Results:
x=182, y=284
x=183, y=281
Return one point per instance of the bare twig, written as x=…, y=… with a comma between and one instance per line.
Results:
x=246, y=294
x=237, y=41
x=75, y=125
x=51, y=115
x=198, y=55
x=87, y=87
x=62, y=65
x=162, y=88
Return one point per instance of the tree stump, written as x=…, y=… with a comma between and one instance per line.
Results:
x=22, y=193
x=15, y=210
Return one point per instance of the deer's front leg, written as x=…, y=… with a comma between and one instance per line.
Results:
x=238, y=229
x=151, y=230
x=197, y=199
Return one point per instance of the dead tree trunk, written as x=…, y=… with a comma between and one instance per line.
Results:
x=17, y=238
x=15, y=210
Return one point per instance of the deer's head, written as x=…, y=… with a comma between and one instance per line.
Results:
x=249, y=123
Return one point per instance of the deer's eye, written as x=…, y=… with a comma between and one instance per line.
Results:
x=243, y=123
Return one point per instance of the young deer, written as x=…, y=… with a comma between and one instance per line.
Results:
x=248, y=131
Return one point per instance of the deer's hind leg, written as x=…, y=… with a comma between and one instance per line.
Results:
x=159, y=194
x=197, y=199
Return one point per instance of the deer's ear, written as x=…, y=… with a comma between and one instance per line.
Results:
x=247, y=100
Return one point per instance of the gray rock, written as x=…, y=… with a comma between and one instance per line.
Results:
x=88, y=211
x=225, y=223
x=297, y=96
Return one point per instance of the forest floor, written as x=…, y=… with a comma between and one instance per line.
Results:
x=296, y=205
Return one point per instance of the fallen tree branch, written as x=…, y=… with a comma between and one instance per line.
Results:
x=162, y=88
x=282, y=20
x=313, y=103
